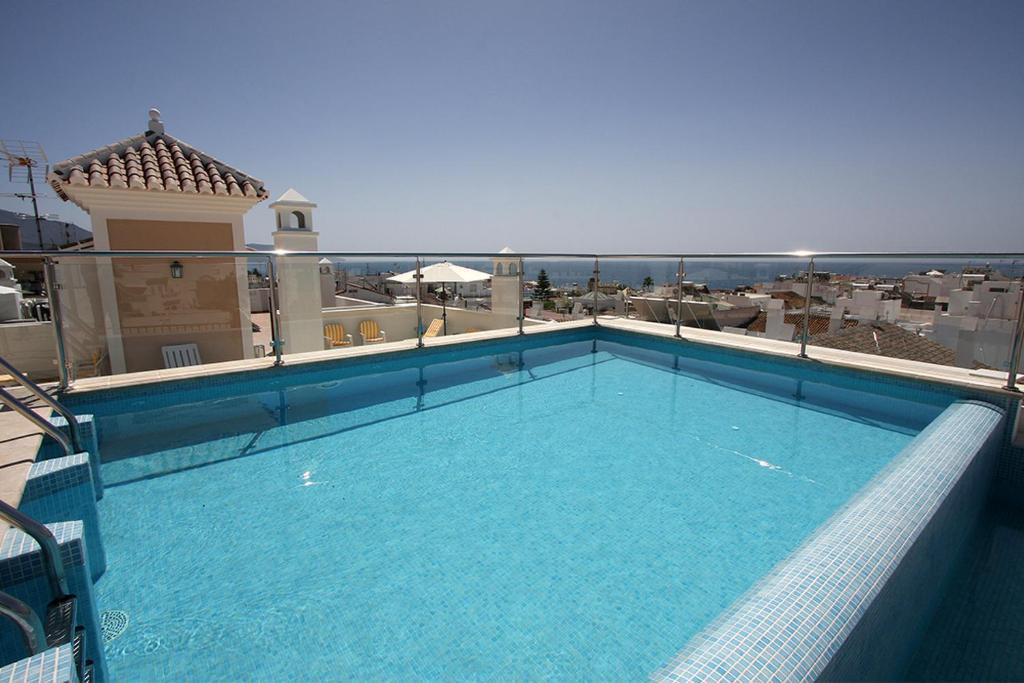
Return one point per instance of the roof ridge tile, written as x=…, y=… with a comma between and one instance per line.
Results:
x=154, y=161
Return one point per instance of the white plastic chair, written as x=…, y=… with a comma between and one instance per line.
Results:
x=181, y=355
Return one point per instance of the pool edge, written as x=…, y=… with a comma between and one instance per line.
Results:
x=847, y=604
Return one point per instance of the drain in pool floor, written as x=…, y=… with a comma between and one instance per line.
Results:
x=113, y=623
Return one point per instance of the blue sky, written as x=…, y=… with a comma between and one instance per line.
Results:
x=551, y=125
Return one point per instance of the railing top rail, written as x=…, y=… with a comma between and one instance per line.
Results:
x=899, y=255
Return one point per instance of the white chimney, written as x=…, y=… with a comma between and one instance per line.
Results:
x=155, y=124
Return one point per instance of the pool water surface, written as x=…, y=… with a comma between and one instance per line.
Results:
x=574, y=511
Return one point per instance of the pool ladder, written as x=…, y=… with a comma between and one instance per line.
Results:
x=70, y=445
x=60, y=623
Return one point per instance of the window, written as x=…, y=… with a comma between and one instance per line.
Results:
x=300, y=219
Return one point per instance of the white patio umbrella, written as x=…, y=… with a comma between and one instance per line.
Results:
x=441, y=273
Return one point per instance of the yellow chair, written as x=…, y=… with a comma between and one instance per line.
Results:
x=371, y=332
x=91, y=367
x=436, y=325
x=334, y=334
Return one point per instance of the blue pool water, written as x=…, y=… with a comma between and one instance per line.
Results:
x=573, y=512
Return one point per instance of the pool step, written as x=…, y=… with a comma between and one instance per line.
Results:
x=61, y=615
x=87, y=674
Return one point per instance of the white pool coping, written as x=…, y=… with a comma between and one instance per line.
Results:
x=979, y=380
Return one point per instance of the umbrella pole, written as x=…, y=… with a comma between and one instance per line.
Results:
x=444, y=309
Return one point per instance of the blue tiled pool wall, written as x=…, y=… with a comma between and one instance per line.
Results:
x=227, y=385
x=884, y=641
x=87, y=432
x=61, y=489
x=804, y=384
x=851, y=601
x=706, y=356
x=368, y=379
x=1009, y=482
x=917, y=402
x=913, y=399
x=22, y=575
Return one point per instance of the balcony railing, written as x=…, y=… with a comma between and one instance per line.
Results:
x=134, y=295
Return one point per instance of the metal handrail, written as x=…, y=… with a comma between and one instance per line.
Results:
x=898, y=255
x=27, y=621
x=57, y=316
x=807, y=309
x=1018, y=341
x=52, y=562
x=41, y=394
x=275, y=323
x=17, y=406
x=680, y=273
x=153, y=253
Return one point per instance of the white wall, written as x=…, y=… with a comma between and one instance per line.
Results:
x=299, y=291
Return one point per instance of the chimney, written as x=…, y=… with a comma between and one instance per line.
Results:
x=155, y=125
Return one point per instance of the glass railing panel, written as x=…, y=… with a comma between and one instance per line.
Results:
x=373, y=300
x=134, y=314
x=560, y=290
x=27, y=338
x=946, y=311
x=716, y=295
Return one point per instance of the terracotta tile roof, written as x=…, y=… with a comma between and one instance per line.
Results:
x=819, y=323
x=792, y=299
x=154, y=161
x=886, y=339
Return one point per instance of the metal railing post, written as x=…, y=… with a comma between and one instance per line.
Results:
x=419, y=305
x=522, y=313
x=597, y=284
x=679, y=298
x=275, y=320
x=53, y=295
x=52, y=562
x=807, y=309
x=1018, y=341
x=41, y=394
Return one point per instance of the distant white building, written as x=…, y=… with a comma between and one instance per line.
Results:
x=762, y=301
x=934, y=283
x=10, y=293
x=979, y=323
x=821, y=288
x=869, y=304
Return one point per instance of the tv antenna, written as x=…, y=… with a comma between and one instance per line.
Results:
x=24, y=160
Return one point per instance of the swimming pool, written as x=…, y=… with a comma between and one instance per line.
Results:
x=569, y=508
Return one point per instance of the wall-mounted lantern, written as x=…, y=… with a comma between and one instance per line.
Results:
x=177, y=270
